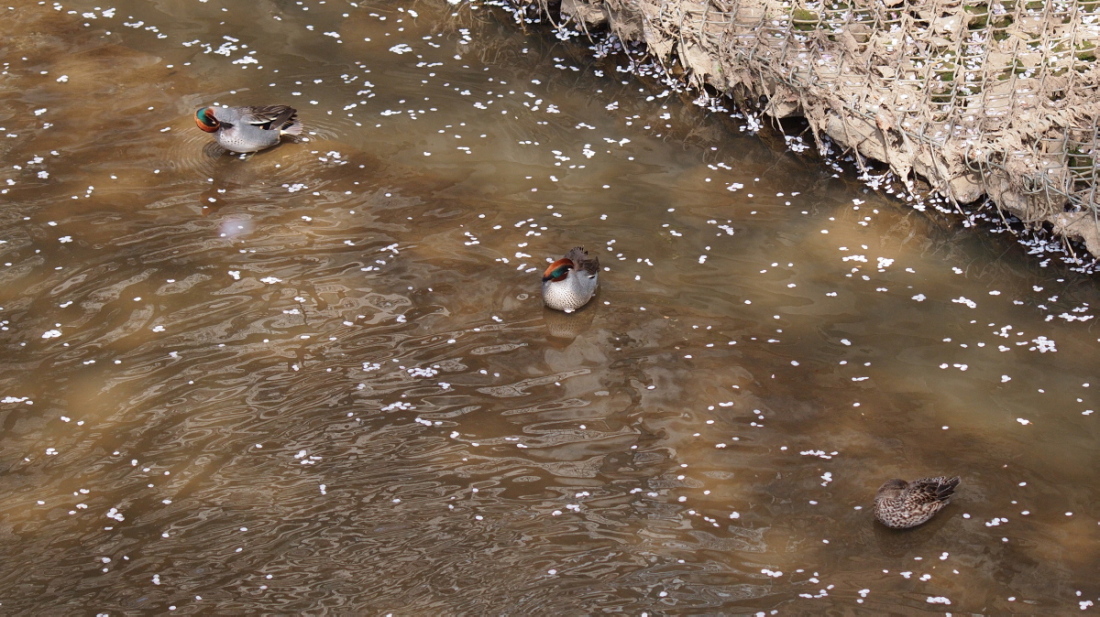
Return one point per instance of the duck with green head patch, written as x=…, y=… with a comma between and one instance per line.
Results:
x=570, y=282
x=248, y=129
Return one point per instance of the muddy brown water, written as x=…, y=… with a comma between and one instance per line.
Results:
x=320, y=379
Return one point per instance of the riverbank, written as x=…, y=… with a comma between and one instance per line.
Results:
x=979, y=100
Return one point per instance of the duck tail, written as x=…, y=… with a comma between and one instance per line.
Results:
x=582, y=261
x=946, y=488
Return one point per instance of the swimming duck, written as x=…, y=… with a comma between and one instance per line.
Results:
x=570, y=282
x=248, y=129
x=901, y=505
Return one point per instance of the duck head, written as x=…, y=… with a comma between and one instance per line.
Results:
x=205, y=120
x=558, y=270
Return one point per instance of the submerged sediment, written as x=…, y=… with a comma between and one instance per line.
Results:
x=992, y=100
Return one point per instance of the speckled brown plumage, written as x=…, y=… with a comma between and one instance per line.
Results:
x=901, y=505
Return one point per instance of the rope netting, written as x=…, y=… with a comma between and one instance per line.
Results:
x=995, y=99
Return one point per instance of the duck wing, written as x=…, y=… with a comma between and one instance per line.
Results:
x=269, y=117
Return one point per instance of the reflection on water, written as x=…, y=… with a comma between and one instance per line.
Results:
x=321, y=377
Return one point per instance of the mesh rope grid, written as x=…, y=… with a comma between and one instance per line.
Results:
x=980, y=98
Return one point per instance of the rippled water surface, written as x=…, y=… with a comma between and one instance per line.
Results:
x=320, y=379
